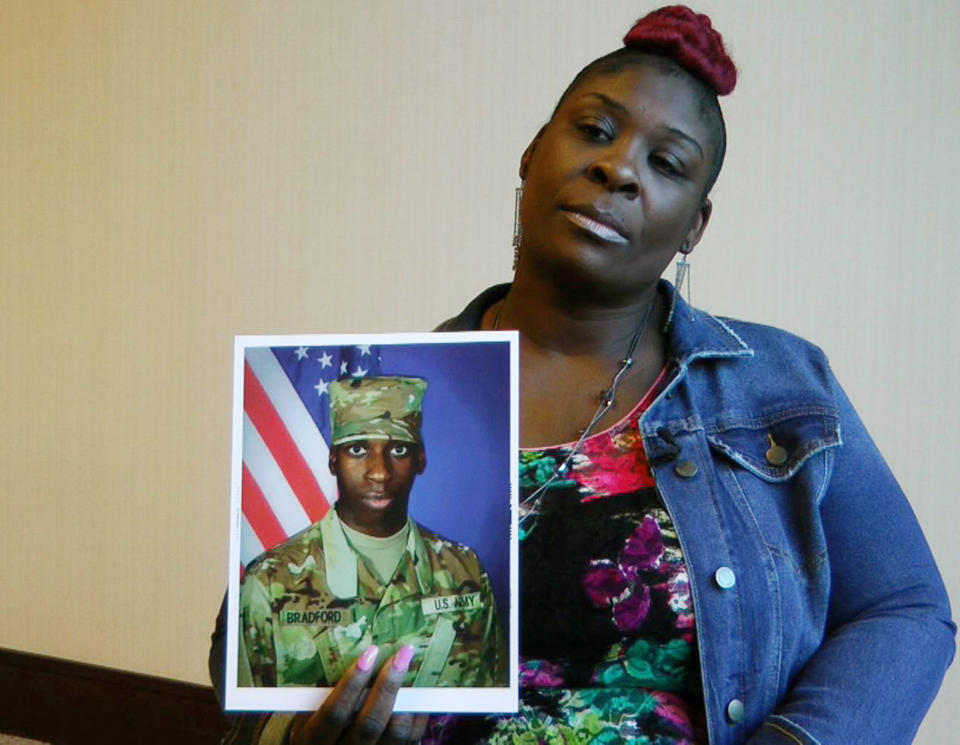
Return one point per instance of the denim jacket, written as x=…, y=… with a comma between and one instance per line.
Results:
x=821, y=616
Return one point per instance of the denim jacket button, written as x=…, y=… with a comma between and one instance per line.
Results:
x=735, y=711
x=725, y=578
x=776, y=455
x=686, y=469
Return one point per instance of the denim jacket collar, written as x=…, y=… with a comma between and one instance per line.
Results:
x=694, y=334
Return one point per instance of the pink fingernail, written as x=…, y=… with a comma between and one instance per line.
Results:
x=402, y=660
x=367, y=659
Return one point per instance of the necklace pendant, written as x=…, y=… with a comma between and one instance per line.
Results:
x=527, y=521
x=525, y=529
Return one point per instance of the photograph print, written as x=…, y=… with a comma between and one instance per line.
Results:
x=373, y=490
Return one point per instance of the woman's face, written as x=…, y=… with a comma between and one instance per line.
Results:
x=614, y=184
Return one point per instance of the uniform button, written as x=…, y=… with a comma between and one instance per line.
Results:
x=735, y=711
x=725, y=578
x=686, y=468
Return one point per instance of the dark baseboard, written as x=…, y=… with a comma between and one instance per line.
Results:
x=68, y=703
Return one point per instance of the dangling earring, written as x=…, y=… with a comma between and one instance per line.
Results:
x=683, y=268
x=516, y=227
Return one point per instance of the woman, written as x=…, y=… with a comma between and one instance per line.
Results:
x=712, y=548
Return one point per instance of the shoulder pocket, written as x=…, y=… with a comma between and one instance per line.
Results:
x=776, y=445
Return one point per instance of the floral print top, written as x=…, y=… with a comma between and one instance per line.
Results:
x=607, y=639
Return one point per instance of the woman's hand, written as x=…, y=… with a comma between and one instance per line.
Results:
x=336, y=722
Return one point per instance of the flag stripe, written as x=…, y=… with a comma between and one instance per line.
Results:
x=250, y=546
x=265, y=471
x=283, y=448
x=295, y=417
x=257, y=511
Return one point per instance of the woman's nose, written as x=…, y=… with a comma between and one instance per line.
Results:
x=616, y=171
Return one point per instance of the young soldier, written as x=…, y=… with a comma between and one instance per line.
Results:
x=366, y=573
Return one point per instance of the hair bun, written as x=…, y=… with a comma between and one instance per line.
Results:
x=690, y=40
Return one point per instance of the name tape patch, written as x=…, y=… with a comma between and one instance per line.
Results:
x=447, y=603
x=310, y=616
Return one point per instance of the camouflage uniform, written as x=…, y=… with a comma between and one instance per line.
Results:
x=310, y=606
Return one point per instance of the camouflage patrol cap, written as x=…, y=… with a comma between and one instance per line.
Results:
x=376, y=408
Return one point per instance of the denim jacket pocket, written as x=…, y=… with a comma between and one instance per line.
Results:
x=773, y=469
x=776, y=445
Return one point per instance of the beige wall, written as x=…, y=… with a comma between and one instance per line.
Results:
x=173, y=173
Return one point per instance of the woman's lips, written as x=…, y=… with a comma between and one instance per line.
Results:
x=600, y=230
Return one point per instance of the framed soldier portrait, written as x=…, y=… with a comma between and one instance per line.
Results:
x=373, y=502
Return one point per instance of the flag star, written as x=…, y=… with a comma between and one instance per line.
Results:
x=321, y=387
x=343, y=368
x=359, y=372
x=301, y=353
x=325, y=360
x=364, y=349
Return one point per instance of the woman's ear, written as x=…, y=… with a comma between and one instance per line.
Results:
x=528, y=153
x=700, y=221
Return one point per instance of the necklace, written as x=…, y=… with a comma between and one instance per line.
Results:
x=530, y=506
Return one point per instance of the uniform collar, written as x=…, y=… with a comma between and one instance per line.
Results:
x=341, y=560
x=421, y=560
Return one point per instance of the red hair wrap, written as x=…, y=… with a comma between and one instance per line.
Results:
x=688, y=39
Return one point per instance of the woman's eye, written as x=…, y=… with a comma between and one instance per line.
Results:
x=356, y=451
x=666, y=164
x=595, y=131
x=399, y=451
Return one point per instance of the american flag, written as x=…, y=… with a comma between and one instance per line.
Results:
x=286, y=483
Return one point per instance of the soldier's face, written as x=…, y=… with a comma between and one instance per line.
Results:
x=375, y=478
